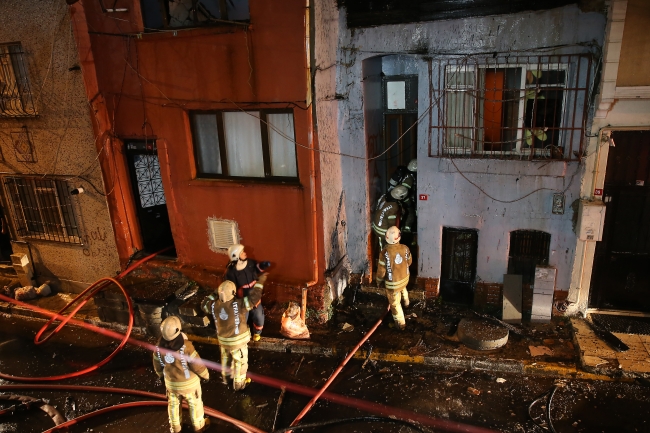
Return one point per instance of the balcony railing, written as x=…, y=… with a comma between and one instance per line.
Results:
x=15, y=94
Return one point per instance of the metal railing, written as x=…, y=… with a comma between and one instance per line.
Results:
x=15, y=94
x=42, y=208
x=519, y=107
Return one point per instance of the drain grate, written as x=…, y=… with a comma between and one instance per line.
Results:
x=623, y=324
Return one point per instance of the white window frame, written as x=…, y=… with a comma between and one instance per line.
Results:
x=522, y=105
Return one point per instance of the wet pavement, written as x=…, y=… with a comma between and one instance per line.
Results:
x=499, y=402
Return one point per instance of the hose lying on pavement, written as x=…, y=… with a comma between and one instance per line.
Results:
x=101, y=389
x=366, y=419
x=25, y=401
x=368, y=406
x=83, y=298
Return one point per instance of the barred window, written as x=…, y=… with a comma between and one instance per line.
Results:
x=15, y=94
x=42, y=208
x=524, y=107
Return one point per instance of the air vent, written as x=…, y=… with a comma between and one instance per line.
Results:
x=222, y=234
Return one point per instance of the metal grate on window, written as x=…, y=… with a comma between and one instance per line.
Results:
x=42, y=208
x=524, y=107
x=528, y=248
x=15, y=94
x=459, y=254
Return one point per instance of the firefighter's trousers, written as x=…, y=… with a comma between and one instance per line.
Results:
x=395, y=299
x=256, y=319
x=237, y=360
x=194, y=403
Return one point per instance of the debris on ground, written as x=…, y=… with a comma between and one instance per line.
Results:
x=26, y=293
x=540, y=350
x=473, y=391
x=501, y=380
x=44, y=290
x=346, y=327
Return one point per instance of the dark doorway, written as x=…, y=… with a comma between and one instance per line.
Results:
x=458, y=269
x=620, y=277
x=149, y=196
x=528, y=248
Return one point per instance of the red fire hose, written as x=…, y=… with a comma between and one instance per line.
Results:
x=338, y=370
x=85, y=388
x=84, y=297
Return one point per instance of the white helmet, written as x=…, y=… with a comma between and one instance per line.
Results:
x=393, y=235
x=399, y=192
x=413, y=165
x=234, y=252
x=226, y=291
x=170, y=328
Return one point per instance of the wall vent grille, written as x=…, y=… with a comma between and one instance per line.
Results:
x=222, y=234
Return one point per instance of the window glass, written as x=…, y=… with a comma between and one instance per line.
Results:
x=206, y=142
x=282, y=148
x=151, y=14
x=238, y=10
x=207, y=10
x=243, y=143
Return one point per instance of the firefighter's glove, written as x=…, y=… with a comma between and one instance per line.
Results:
x=265, y=265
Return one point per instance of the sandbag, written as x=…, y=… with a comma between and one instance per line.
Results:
x=292, y=324
x=26, y=293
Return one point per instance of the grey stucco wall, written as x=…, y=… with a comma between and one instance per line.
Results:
x=453, y=201
x=63, y=140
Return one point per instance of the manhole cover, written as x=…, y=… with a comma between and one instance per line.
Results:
x=481, y=335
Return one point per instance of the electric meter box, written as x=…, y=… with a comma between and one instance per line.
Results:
x=591, y=219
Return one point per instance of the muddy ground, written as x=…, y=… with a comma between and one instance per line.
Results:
x=480, y=399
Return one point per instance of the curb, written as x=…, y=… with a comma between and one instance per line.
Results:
x=280, y=345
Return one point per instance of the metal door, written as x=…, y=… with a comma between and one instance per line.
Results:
x=458, y=268
x=621, y=273
x=149, y=196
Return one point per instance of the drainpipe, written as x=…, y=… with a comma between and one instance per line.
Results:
x=309, y=42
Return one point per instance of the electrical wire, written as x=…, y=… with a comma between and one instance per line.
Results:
x=549, y=398
x=359, y=419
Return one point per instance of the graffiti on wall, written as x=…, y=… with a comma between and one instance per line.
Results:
x=95, y=243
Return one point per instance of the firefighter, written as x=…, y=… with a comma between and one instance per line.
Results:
x=229, y=314
x=244, y=273
x=179, y=363
x=393, y=270
x=406, y=176
x=388, y=212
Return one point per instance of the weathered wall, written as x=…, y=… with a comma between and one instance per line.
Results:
x=630, y=111
x=63, y=139
x=147, y=87
x=452, y=200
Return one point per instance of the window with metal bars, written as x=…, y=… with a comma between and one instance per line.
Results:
x=15, y=94
x=528, y=107
x=163, y=14
x=42, y=208
x=528, y=248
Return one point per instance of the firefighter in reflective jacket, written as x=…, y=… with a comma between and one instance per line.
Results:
x=393, y=270
x=229, y=314
x=388, y=212
x=406, y=176
x=244, y=273
x=176, y=360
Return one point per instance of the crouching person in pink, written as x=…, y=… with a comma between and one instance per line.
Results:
x=176, y=360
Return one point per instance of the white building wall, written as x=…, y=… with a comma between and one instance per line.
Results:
x=453, y=201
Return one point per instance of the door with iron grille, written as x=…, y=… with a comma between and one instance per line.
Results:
x=620, y=278
x=149, y=195
x=458, y=267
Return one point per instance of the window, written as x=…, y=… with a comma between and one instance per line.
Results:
x=245, y=144
x=15, y=94
x=42, y=208
x=524, y=107
x=160, y=14
x=528, y=248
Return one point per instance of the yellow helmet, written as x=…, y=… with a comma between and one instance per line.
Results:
x=170, y=328
x=393, y=235
x=234, y=251
x=226, y=291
